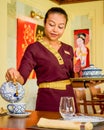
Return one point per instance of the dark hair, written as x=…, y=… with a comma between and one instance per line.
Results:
x=56, y=10
x=82, y=36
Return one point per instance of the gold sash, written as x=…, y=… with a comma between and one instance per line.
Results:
x=51, y=49
x=60, y=85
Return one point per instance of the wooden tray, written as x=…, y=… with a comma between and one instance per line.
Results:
x=87, y=79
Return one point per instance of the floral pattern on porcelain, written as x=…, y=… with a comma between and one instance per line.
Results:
x=8, y=92
x=92, y=71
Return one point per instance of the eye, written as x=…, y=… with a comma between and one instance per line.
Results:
x=51, y=24
x=61, y=27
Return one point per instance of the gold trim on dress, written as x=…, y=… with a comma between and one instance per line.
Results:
x=51, y=49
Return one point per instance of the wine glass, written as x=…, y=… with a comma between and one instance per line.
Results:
x=67, y=107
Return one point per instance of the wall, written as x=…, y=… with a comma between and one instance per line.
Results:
x=93, y=10
x=3, y=42
x=95, y=13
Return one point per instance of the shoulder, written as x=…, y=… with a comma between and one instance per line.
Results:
x=67, y=46
x=33, y=46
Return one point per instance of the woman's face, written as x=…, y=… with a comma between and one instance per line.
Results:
x=80, y=42
x=55, y=26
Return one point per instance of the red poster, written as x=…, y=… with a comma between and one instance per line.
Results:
x=81, y=50
x=25, y=36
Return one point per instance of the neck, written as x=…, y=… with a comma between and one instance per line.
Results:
x=55, y=44
x=51, y=42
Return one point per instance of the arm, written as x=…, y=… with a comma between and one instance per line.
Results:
x=77, y=84
x=27, y=64
x=85, y=84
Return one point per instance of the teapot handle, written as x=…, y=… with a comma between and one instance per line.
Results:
x=14, y=80
x=15, y=83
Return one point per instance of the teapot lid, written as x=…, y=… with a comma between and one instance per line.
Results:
x=92, y=68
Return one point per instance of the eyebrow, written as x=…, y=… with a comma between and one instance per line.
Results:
x=54, y=22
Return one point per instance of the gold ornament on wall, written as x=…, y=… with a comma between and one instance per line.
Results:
x=33, y=14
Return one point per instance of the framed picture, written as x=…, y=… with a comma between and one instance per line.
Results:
x=81, y=50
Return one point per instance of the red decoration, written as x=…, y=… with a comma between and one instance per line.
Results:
x=25, y=36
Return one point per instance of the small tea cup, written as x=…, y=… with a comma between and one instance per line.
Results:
x=16, y=108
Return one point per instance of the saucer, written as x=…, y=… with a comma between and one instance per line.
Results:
x=19, y=115
x=94, y=119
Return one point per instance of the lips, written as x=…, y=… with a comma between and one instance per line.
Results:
x=54, y=35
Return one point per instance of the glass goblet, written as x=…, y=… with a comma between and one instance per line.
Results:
x=67, y=107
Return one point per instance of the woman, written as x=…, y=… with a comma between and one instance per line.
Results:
x=52, y=61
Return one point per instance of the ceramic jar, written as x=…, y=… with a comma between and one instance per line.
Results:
x=92, y=71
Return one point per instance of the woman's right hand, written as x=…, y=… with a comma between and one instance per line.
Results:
x=12, y=74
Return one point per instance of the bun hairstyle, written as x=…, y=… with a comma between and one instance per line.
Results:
x=82, y=35
x=56, y=10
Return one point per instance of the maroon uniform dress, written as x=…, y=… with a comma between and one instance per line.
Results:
x=48, y=69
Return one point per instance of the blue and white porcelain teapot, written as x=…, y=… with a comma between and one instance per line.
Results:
x=12, y=91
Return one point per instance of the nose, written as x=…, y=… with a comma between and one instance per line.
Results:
x=55, y=29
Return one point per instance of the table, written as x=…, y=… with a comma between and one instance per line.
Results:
x=13, y=123
x=18, y=122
